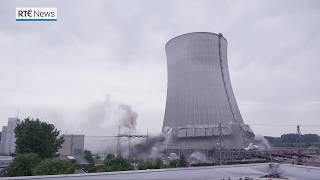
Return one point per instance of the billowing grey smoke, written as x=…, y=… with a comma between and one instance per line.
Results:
x=197, y=156
x=260, y=143
x=151, y=147
x=127, y=117
x=104, y=117
x=99, y=122
x=154, y=146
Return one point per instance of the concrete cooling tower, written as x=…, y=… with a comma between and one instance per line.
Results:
x=201, y=109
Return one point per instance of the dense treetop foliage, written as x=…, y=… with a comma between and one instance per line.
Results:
x=149, y=164
x=53, y=166
x=22, y=164
x=34, y=136
x=117, y=163
x=183, y=161
x=88, y=156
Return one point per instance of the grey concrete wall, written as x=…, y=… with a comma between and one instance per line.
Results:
x=8, y=139
x=199, y=92
x=73, y=145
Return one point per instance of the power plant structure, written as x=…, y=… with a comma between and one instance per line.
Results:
x=201, y=110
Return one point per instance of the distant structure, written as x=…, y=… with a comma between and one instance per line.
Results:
x=5, y=162
x=201, y=110
x=73, y=145
x=8, y=139
x=72, y=149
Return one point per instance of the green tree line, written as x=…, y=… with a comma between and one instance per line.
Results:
x=292, y=140
x=36, y=146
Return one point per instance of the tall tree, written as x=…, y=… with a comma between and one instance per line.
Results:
x=34, y=136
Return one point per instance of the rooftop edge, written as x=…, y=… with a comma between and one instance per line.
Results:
x=211, y=33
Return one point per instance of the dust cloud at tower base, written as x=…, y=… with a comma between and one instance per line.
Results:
x=201, y=110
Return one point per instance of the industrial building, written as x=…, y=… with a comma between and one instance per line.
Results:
x=201, y=109
x=72, y=149
x=72, y=145
x=8, y=139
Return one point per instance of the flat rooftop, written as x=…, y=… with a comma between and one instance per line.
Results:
x=292, y=172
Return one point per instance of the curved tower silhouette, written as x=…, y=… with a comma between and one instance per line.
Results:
x=201, y=110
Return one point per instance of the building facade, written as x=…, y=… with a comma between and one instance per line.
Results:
x=201, y=109
x=8, y=139
x=72, y=145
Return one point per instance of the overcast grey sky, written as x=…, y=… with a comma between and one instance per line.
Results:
x=55, y=70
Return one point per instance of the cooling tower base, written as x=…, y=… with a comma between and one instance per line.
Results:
x=231, y=136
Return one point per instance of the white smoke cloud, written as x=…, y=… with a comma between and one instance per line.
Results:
x=105, y=116
x=99, y=122
x=198, y=157
x=260, y=143
x=126, y=116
